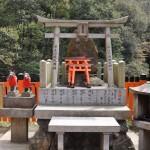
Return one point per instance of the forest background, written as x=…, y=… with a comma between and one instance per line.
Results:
x=22, y=43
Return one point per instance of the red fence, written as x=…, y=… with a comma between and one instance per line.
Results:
x=36, y=85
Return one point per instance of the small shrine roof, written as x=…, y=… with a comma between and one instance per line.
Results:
x=143, y=89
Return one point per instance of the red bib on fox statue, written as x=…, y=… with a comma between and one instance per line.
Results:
x=12, y=80
x=26, y=82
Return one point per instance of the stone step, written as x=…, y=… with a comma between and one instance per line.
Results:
x=118, y=112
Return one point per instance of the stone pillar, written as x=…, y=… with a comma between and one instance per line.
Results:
x=49, y=67
x=64, y=73
x=109, y=58
x=99, y=70
x=115, y=70
x=55, y=57
x=121, y=74
x=144, y=139
x=105, y=72
x=60, y=141
x=104, y=141
x=43, y=73
x=19, y=130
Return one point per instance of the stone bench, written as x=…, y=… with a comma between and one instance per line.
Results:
x=104, y=125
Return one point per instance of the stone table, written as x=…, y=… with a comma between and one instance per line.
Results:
x=103, y=125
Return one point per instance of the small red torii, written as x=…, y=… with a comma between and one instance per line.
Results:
x=78, y=64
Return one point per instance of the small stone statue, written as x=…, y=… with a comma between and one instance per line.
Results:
x=26, y=85
x=12, y=81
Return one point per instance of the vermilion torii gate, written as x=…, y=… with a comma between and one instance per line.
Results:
x=82, y=30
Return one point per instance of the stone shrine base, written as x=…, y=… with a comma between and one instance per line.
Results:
x=118, y=112
x=43, y=140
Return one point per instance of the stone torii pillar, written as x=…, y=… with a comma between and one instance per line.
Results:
x=55, y=57
x=109, y=58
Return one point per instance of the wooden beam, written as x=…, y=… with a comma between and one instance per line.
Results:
x=74, y=23
x=74, y=35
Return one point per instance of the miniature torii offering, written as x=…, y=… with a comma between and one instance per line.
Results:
x=51, y=92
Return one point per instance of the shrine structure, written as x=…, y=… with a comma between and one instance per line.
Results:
x=60, y=103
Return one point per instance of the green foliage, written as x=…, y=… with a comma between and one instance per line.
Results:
x=136, y=68
x=22, y=43
x=7, y=49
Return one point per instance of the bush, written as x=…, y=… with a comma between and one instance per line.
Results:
x=135, y=68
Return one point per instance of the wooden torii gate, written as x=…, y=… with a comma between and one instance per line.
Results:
x=82, y=30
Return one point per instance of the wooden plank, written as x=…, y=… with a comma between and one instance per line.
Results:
x=74, y=35
x=74, y=23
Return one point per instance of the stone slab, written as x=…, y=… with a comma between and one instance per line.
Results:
x=142, y=125
x=19, y=102
x=118, y=112
x=83, y=124
x=81, y=96
x=17, y=112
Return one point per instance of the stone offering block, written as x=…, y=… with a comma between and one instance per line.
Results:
x=19, y=102
x=17, y=112
x=81, y=96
